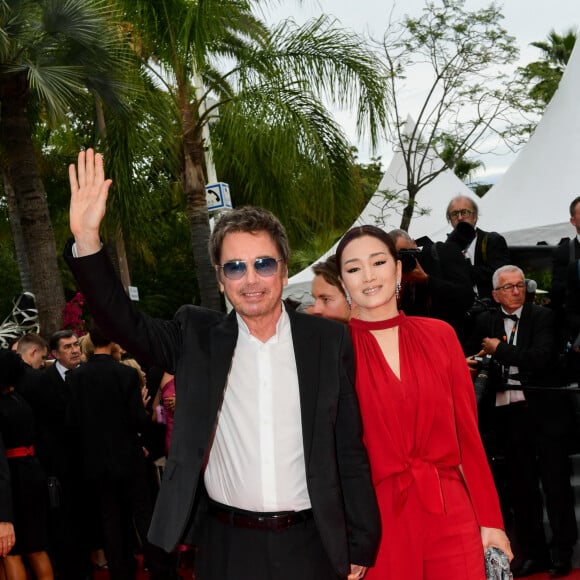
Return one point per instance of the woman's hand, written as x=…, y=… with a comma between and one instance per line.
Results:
x=494, y=537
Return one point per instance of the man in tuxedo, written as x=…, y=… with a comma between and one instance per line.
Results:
x=107, y=415
x=7, y=537
x=267, y=471
x=487, y=251
x=530, y=428
x=49, y=396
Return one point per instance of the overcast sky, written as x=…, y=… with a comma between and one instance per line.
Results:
x=527, y=20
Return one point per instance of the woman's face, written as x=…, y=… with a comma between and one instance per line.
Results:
x=370, y=273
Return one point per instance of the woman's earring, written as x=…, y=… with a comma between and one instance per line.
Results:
x=347, y=296
x=398, y=290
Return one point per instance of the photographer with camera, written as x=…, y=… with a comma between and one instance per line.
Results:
x=435, y=281
x=486, y=251
x=528, y=428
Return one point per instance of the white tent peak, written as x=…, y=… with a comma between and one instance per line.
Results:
x=530, y=202
x=432, y=199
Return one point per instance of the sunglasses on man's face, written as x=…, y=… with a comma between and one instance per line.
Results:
x=236, y=269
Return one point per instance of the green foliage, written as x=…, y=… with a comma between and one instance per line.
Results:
x=542, y=77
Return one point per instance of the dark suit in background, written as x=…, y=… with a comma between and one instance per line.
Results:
x=491, y=252
x=532, y=435
x=197, y=346
x=448, y=291
x=565, y=254
x=107, y=415
x=56, y=447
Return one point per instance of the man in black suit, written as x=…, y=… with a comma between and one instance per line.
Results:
x=108, y=414
x=266, y=467
x=7, y=538
x=530, y=428
x=566, y=254
x=49, y=396
x=33, y=350
x=437, y=283
x=487, y=251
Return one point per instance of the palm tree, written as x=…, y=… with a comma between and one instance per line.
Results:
x=52, y=55
x=273, y=135
x=544, y=75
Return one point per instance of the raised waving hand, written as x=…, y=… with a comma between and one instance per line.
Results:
x=88, y=202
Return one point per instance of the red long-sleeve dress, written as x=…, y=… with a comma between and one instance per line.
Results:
x=430, y=472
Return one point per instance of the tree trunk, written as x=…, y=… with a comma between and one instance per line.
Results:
x=22, y=172
x=14, y=217
x=119, y=258
x=409, y=209
x=193, y=183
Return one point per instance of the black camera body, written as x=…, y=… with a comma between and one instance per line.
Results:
x=481, y=305
x=408, y=257
x=481, y=380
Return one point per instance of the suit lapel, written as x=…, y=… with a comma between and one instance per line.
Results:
x=307, y=354
x=524, y=326
x=223, y=339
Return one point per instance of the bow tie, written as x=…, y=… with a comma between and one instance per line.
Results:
x=510, y=316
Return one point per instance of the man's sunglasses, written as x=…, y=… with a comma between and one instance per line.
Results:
x=236, y=269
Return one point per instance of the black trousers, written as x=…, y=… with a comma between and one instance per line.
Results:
x=526, y=445
x=68, y=544
x=231, y=553
x=125, y=505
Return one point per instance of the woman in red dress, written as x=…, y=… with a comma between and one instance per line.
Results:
x=438, y=503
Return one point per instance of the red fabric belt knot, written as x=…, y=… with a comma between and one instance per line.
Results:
x=19, y=452
x=427, y=478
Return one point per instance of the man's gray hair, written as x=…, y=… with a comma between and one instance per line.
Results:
x=474, y=206
x=502, y=270
x=398, y=233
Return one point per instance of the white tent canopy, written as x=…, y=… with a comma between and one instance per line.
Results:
x=530, y=202
x=431, y=199
x=528, y=205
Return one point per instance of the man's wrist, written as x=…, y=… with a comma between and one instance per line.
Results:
x=85, y=246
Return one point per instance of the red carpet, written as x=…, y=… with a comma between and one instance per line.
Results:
x=574, y=575
x=187, y=574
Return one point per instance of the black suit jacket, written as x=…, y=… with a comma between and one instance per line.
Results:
x=107, y=414
x=491, y=252
x=5, y=488
x=50, y=396
x=197, y=346
x=561, y=263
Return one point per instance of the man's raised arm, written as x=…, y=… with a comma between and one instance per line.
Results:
x=88, y=202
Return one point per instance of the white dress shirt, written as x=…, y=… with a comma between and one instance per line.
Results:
x=510, y=396
x=256, y=461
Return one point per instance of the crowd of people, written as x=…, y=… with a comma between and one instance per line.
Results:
x=346, y=442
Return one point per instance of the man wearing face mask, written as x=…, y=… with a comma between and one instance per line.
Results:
x=487, y=251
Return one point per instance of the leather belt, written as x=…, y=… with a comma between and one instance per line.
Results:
x=257, y=520
x=19, y=452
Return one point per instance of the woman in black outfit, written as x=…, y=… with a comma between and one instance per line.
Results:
x=29, y=487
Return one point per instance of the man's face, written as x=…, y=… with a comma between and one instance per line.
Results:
x=461, y=210
x=575, y=219
x=254, y=296
x=68, y=353
x=512, y=297
x=329, y=301
x=35, y=356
